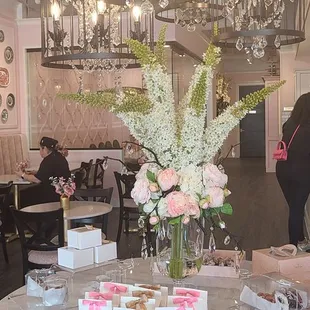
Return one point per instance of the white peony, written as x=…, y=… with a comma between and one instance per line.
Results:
x=213, y=177
x=141, y=193
x=191, y=180
x=144, y=168
x=162, y=208
x=216, y=196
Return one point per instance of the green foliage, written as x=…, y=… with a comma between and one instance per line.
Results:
x=142, y=52
x=227, y=209
x=198, y=99
x=151, y=176
x=160, y=46
x=251, y=100
x=175, y=220
x=134, y=101
x=212, y=56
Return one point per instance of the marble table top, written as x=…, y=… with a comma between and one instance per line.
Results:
x=78, y=209
x=6, y=178
x=223, y=293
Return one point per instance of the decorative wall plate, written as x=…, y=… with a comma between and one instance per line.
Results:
x=4, y=77
x=8, y=55
x=4, y=115
x=10, y=101
x=1, y=36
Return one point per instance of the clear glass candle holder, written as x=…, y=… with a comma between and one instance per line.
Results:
x=55, y=291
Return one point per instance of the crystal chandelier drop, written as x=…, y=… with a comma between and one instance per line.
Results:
x=189, y=13
x=254, y=25
x=90, y=35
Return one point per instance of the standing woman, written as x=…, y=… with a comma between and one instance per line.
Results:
x=294, y=174
x=54, y=164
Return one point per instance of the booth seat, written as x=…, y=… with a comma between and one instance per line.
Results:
x=13, y=150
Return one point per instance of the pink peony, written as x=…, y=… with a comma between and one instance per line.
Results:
x=167, y=179
x=154, y=220
x=176, y=202
x=69, y=191
x=213, y=177
x=185, y=219
x=216, y=195
x=192, y=207
x=141, y=193
x=153, y=187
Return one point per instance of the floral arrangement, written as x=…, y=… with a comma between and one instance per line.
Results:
x=64, y=187
x=22, y=166
x=222, y=96
x=175, y=139
x=178, y=182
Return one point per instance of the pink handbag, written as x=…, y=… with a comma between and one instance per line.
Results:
x=280, y=153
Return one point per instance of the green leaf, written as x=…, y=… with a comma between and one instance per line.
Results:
x=212, y=211
x=227, y=209
x=175, y=220
x=151, y=176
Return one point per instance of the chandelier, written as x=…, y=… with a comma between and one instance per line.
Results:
x=255, y=25
x=189, y=13
x=90, y=35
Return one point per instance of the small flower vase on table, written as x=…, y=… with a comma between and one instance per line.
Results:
x=65, y=202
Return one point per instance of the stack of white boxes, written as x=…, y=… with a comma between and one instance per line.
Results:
x=86, y=247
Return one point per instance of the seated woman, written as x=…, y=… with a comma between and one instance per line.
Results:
x=54, y=164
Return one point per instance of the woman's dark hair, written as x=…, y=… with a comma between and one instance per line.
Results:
x=301, y=111
x=49, y=143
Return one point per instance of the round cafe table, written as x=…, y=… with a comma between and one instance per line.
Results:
x=223, y=293
x=78, y=210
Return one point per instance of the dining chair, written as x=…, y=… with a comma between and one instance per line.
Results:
x=5, y=191
x=125, y=184
x=39, y=250
x=87, y=168
x=79, y=176
x=98, y=195
x=98, y=174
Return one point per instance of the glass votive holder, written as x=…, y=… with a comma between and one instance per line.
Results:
x=117, y=275
x=55, y=291
x=34, y=281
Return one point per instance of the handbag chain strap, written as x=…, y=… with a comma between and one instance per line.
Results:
x=293, y=136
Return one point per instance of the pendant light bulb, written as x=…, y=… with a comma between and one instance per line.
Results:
x=101, y=6
x=136, y=12
x=55, y=10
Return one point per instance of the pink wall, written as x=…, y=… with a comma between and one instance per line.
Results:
x=8, y=26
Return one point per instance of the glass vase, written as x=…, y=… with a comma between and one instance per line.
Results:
x=179, y=249
x=65, y=202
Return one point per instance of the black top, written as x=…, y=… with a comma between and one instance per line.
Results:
x=53, y=165
x=298, y=162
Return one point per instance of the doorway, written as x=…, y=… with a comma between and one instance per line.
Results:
x=252, y=127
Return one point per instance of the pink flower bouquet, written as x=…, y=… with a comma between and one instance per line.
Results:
x=22, y=166
x=64, y=187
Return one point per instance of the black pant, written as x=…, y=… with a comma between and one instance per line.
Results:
x=296, y=192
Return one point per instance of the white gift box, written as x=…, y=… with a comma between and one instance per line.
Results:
x=162, y=289
x=105, y=252
x=88, y=304
x=84, y=237
x=73, y=258
x=187, y=302
x=117, y=289
x=188, y=292
x=150, y=304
